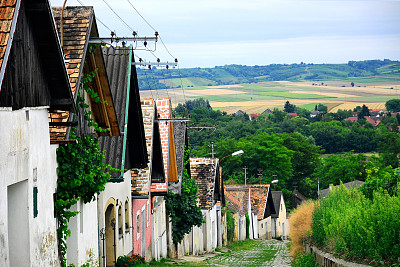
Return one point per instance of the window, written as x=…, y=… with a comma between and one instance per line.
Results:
x=281, y=206
x=127, y=217
x=138, y=224
x=120, y=221
x=262, y=225
x=148, y=213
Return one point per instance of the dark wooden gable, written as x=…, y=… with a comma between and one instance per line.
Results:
x=157, y=168
x=34, y=72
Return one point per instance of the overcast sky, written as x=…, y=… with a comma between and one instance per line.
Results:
x=208, y=33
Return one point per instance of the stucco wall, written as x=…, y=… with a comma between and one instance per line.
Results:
x=117, y=193
x=141, y=205
x=27, y=160
x=159, y=226
x=280, y=223
x=265, y=228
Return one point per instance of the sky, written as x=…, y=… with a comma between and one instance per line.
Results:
x=208, y=33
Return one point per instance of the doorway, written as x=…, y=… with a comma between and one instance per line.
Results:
x=110, y=235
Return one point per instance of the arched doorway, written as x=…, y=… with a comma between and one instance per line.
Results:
x=110, y=235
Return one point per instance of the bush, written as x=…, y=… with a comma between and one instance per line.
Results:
x=127, y=261
x=247, y=226
x=304, y=260
x=300, y=226
x=230, y=225
x=350, y=225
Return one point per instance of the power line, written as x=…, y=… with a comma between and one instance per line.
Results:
x=141, y=16
x=80, y=2
x=118, y=16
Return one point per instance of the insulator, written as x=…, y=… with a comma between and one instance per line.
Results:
x=149, y=67
x=123, y=43
x=134, y=34
x=176, y=60
x=112, y=34
x=140, y=59
x=145, y=43
x=156, y=34
x=158, y=60
x=167, y=67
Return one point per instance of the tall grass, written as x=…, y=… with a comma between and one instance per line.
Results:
x=300, y=225
x=353, y=226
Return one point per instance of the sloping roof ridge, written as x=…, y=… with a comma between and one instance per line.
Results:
x=16, y=4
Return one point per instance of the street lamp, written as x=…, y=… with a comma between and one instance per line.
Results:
x=274, y=182
x=237, y=153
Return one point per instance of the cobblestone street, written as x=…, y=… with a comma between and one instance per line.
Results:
x=266, y=253
x=270, y=253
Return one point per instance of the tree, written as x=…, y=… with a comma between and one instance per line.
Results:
x=389, y=149
x=342, y=168
x=289, y=108
x=322, y=108
x=393, y=105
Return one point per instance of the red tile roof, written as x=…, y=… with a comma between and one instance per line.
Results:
x=7, y=8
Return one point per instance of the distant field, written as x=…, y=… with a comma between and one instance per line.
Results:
x=256, y=97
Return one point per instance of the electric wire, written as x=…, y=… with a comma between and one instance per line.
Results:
x=123, y=21
x=102, y=23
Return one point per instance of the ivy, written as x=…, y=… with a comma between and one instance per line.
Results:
x=82, y=174
x=183, y=209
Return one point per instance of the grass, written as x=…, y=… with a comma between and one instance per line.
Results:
x=300, y=225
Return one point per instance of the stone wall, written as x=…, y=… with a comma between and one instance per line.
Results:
x=328, y=260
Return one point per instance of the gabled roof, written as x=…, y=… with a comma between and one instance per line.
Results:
x=276, y=197
x=353, y=184
x=180, y=138
x=205, y=171
x=238, y=197
x=32, y=22
x=260, y=197
x=128, y=150
x=82, y=58
x=154, y=170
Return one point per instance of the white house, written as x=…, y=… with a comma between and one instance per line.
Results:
x=33, y=82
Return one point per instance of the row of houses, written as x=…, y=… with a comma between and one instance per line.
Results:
x=43, y=69
x=257, y=210
x=46, y=55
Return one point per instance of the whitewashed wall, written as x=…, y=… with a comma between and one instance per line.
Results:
x=159, y=226
x=117, y=193
x=27, y=160
x=265, y=228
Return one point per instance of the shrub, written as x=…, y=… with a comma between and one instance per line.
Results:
x=348, y=224
x=128, y=261
x=230, y=225
x=304, y=260
x=300, y=226
x=247, y=226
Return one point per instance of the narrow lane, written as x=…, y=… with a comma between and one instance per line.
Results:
x=269, y=253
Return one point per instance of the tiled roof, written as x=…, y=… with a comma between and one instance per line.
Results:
x=7, y=8
x=77, y=21
x=205, y=171
x=241, y=194
x=258, y=197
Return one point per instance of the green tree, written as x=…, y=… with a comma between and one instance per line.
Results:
x=393, y=105
x=342, y=168
x=289, y=108
x=389, y=149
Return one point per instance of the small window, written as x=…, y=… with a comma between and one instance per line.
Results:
x=120, y=224
x=148, y=213
x=127, y=216
x=262, y=225
x=138, y=224
x=281, y=206
x=279, y=223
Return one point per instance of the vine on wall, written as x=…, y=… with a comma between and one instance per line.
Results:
x=81, y=171
x=183, y=209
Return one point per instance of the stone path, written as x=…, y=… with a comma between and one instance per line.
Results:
x=268, y=253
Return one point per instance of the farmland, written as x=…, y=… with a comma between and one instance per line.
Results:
x=254, y=89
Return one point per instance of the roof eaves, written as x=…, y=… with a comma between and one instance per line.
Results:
x=9, y=41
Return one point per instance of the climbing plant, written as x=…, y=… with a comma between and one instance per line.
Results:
x=81, y=171
x=183, y=209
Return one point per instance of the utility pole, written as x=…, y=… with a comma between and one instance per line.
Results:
x=212, y=149
x=260, y=174
x=245, y=174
